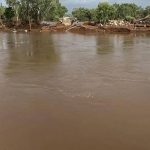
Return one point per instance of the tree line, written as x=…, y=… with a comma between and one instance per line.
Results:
x=51, y=10
x=105, y=12
x=32, y=10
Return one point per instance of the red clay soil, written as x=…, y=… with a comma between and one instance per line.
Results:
x=83, y=29
x=118, y=29
x=58, y=28
x=77, y=29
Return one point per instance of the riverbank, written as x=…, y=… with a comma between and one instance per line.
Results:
x=85, y=28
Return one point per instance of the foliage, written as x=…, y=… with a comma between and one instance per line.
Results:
x=37, y=10
x=126, y=9
x=93, y=15
x=105, y=12
x=9, y=13
x=61, y=10
x=2, y=10
x=54, y=11
x=146, y=12
x=82, y=14
x=129, y=19
x=49, y=10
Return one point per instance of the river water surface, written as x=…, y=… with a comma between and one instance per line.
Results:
x=74, y=91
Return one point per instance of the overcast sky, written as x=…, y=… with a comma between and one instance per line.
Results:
x=92, y=3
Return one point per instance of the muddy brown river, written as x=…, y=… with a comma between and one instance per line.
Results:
x=74, y=91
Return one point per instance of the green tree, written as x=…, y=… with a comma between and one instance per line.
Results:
x=9, y=13
x=82, y=14
x=127, y=10
x=38, y=10
x=14, y=4
x=62, y=10
x=105, y=12
x=93, y=15
x=2, y=11
x=146, y=11
x=54, y=11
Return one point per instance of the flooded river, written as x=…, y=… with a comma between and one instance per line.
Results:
x=74, y=91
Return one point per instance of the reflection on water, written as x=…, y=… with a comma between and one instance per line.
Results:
x=78, y=92
x=29, y=51
x=106, y=44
